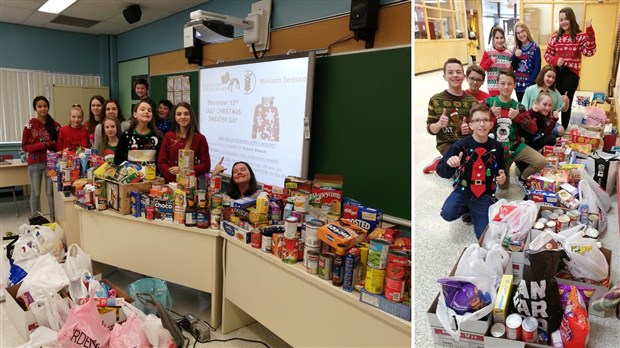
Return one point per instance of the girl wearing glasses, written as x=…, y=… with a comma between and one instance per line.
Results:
x=525, y=59
x=39, y=136
x=74, y=134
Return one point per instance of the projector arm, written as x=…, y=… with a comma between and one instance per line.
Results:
x=211, y=16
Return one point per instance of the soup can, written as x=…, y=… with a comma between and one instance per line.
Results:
x=378, y=253
x=513, y=327
x=529, y=330
x=553, y=216
x=311, y=229
x=375, y=278
x=216, y=203
x=290, y=249
x=256, y=238
x=312, y=263
x=394, y=289
x=498, y=330
x=290, y=227
x=397, y=261
x=573, y=215
x=325, y=265
x=539, y=226
x=563, y=222
x=265, y=243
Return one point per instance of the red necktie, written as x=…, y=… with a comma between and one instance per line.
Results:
x=477, y=184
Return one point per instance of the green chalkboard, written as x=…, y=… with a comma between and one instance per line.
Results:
x=159, y=88
x=361, y=126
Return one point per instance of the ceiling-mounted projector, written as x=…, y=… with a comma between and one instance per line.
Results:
x=212, y=27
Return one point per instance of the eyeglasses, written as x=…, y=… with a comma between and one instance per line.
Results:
x=479, y=121
x=474, y=79
x=76, y=106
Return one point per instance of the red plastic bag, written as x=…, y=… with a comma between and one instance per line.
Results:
x=84, y=328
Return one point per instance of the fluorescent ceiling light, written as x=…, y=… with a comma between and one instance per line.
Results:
x=56, y=6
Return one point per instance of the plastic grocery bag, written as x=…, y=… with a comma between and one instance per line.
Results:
x=156, y=287
x=448, y=316
x=50, y=311
x=586, y=259
x=84, y=328
x=152, y=326
x=519, y=219
x=595, y=198
x=479, y=262
x=77, y=265
x=129, y=335
x=42, y=337
x=45, y=274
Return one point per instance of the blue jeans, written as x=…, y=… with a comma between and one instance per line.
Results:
x=37, y=172
x=462, y=201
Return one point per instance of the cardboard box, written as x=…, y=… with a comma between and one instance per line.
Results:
x=327, y=188
x=472, y=332
x=293, y=183
x=503, y=300
x=115, y=315
x=544, y=197
x=379, y=301
x=119, y=194
x=24, y=321
x=343, y=231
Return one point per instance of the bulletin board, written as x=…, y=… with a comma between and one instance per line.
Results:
x=159, y=87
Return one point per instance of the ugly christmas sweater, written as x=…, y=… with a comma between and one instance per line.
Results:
x=502, y=61
x=131, y=140
x=509, y=132
x=526, y=66
x=36, y=140
x=570, y=50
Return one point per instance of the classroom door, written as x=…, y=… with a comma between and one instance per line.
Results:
x=65, y=96
x=595, y=70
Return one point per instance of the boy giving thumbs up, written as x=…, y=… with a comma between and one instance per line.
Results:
x=477, y=165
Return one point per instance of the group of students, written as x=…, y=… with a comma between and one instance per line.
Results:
x=480, y=135
x=143, y=138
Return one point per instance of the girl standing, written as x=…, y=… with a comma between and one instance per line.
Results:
x=140, y=143
x=184, y=135
x=39, y=136
x=111, y=109
x=109, y=138
x=73, y=135
x=95, y=106
x=525, y=59
x=565, y=48
x=546, y=121
x=495, y=59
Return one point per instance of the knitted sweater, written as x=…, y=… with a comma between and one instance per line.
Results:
x=546, y=125
x=526, y=66
x=492, y=159
x=131, y=140
x=481, y=96
x=509, y=132
x=72, y=138
x=444, y=100
x=570, y=50
x=502, y=62
x=169, y=155
x=36, y=141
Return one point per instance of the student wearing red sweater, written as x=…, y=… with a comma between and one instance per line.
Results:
x=39, y=136
x=73, y=135
x=564, y=50
x=184, y=135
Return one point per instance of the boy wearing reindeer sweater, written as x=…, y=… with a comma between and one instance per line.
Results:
x=513, y=122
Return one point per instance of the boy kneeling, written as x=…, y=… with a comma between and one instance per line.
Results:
x=478, y=162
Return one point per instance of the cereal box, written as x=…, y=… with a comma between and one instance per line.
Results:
x=327, y=188
x=164, y=210
x=293, y=183
x=186, y=160
x=179, y=206
x=544, y=197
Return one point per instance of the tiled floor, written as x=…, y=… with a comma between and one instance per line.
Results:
x=438, y=244
x=185, y=300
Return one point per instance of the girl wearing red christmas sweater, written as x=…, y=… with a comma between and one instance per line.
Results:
x=495, y=59
x=73, y=135
x=39, y=136
x=184, y=135
x=565, y=48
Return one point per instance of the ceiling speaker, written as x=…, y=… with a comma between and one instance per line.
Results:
x=132, y=14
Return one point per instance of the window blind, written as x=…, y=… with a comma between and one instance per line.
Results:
x=19, y=87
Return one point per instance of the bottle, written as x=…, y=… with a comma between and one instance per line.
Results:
x=262, y=203
x=338, y=267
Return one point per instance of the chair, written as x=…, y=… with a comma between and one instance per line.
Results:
x=2, y=159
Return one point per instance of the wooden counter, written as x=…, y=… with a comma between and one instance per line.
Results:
x=191, y=257
x=300, y=308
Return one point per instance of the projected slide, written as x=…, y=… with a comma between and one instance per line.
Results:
x=255, y=113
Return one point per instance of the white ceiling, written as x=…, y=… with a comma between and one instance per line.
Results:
x=109, y=13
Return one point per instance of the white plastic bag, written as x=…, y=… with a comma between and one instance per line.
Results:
x=597, y=200
x=46, y=273
x=590, y=263
x=77, y=265
x=42, y=337
x=518, y=221
x=479, y=262
x=50, y=311
x=447, y=316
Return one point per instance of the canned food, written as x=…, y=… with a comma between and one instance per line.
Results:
x=375, y=278
x=256, y=238
x=513, y=327
x=573, y=215
x=539, y=226
x=265, y=243
x=397, y=261
x=216, y=203
x=290, y=249
x=378, y=253
x=529, y=330
x=325, y=266
x=290, y=227
x=498, y=330
x=201, y=198
x=305, y=255
x=563, y=222
x=102, y=203
x=545, y=213
x=311, y=238
x=593, y=220
x=552, y=225
x=215, y=221
x=558, y=211
x=394, y=289
x=543, y=220
x=553, y=216
x=312, y=266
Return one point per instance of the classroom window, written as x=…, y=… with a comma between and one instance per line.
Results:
x=439, y=19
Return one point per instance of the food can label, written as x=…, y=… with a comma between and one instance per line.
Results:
x=374, y=280
x=394, y=289
x=325, y=266
x=378, y=253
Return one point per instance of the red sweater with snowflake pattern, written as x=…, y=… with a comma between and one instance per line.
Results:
x=570, y=50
